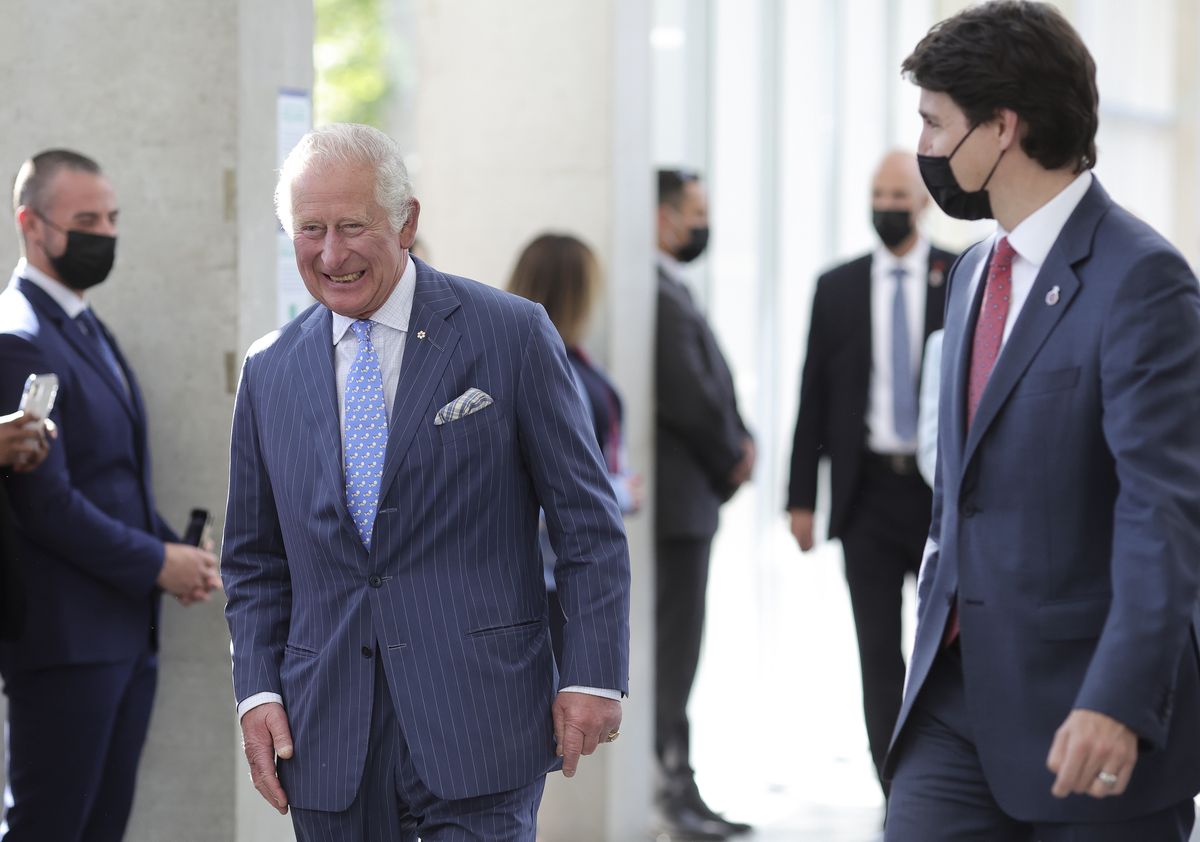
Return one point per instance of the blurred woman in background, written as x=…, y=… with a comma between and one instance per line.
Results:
x=562, y=274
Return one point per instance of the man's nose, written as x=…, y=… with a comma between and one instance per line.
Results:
x=333, y=251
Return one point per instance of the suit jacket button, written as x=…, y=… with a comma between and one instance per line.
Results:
x=367, y=651
x=375, y=582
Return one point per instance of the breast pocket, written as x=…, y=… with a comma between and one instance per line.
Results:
x=485, y=422
x=1046, y=382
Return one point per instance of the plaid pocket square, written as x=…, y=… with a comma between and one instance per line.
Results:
x=468, y=402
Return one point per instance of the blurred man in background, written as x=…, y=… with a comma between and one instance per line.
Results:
x=704, y=453
x=94, y=552
x=858, y=408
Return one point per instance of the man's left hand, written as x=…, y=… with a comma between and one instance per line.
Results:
x=581, y=722
x=1087, y=747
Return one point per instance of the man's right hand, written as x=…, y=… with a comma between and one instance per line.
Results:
x=802, y=527
x=265, y=736
x=189, y=573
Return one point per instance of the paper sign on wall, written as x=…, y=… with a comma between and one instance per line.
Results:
x=293, y=119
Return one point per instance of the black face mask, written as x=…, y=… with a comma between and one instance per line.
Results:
x=696, y=243
x=87, y=259
x=892, y=226
x=946, y=191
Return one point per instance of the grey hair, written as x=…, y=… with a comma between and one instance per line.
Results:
x=349, y=143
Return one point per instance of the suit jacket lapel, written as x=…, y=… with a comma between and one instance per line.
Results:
x=1039, y=316
x=864, y=323
x=49, y=308
x=427, y=350
x=312, y=372
x=964, y=309
x=935, y=294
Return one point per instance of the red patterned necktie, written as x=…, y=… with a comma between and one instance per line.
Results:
x=989, y=329
x=985, y=348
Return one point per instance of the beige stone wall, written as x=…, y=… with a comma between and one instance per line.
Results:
x=530, y=116
x=177, y=103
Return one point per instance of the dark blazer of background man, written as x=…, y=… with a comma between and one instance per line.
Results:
x=94, y=552
x=854, y=412
x=704, y=453
x=1054, y=691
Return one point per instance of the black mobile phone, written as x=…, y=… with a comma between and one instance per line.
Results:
x=197, y=521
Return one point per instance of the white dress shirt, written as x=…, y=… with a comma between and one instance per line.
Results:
x=927, y=412
x=1032, y=240
x=881, y=421
x=388, y=334
x=72, y=302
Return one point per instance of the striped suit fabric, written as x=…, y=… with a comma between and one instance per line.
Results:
x=450, y=595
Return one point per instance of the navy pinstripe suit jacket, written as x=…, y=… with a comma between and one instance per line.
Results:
x=451, y=593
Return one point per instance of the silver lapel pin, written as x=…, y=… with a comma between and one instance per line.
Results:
x=1052, y=296
x=421, y=333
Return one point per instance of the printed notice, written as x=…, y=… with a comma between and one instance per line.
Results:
x=293, y=118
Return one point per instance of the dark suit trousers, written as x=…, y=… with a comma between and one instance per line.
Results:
x=394, y=805
x=74, y=740
x=883, y=542
x=682, y=582
x=939, y=792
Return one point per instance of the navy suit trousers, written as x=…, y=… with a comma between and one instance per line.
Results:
x=939, y=792
x=394, y=805
x=75, y=734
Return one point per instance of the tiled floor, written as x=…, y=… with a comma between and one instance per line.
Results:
x=777, y=713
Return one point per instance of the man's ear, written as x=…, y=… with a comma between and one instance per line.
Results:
x=1009, y=126
x=26, y=219
x=408, y=234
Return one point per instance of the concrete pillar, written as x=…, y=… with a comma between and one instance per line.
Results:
x=177, y=103
x=531, y=116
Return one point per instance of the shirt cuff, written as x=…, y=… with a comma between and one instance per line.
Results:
x=250, y=702
x=615, y=695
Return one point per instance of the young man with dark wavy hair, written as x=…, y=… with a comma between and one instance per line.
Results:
x=1054, y=689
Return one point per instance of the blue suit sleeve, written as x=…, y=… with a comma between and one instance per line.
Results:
x=592, y=573
x=56, y=516
x=253, y=562
x=1150, y=368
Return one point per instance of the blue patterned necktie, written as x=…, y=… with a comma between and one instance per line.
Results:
x=904, y=385
x=365, y=433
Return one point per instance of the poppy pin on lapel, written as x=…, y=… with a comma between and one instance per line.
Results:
x=1052, y=296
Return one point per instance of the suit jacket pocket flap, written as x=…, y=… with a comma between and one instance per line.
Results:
x=514, y=628
x=1077, y=619
x=1040, y=382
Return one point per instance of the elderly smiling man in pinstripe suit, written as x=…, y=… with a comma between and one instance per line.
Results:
x=391, y=450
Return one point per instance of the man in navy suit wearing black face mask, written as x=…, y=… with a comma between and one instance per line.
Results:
x=1054, y=687
x=94, y=553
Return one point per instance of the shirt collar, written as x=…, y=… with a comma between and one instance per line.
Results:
x=671, y=266
x=63, y=295
x=394, y=313
x=1036, y=233
x=913, y=263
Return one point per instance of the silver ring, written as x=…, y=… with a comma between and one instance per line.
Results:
x=1107, y=778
